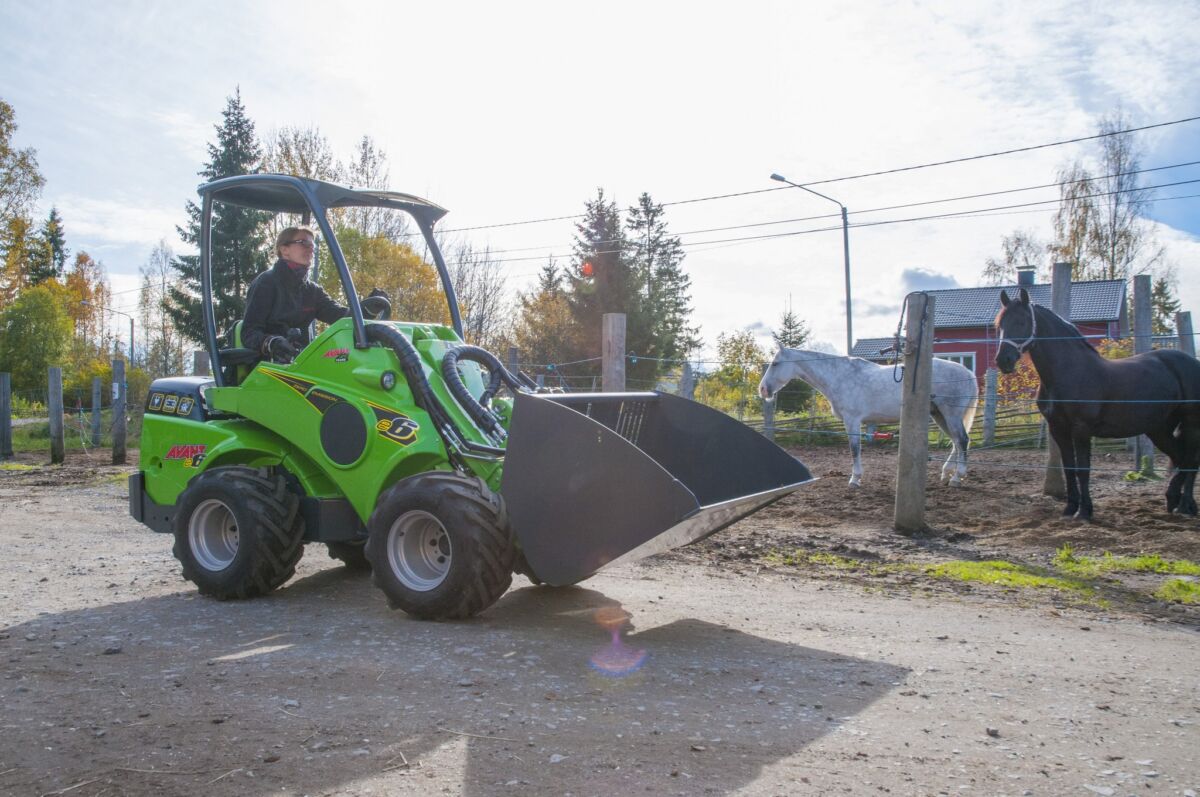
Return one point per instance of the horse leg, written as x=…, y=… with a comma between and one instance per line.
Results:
x=1189, y=444
x=948, y=476
x=1167, y=443
x=959, y=442
x=1083, y=474
x=854, y=432
x=1066, y=448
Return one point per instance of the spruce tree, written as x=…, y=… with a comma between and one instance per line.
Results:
x=47, y=254
x=657, y=256
x=604, y=280
x=792, y=334
x=240, y=248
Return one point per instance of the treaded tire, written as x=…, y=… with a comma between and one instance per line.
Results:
x=463, y=528
x=352, y=555
x=266, y=539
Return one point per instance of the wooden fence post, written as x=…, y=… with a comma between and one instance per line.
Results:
x=990, y=397
x=96, y=400
x=1142, y=342
x=200, y=363
x=6, y=449
x=912, y=463
x=1060, y=302
x=54, y=405
x=120, y=390
x=613, y=353
x=1183, y=328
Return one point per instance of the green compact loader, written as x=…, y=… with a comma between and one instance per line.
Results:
x=407, y=451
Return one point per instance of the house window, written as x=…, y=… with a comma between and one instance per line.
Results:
x=965, y=359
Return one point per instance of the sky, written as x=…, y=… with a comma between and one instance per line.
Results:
x=507, y=112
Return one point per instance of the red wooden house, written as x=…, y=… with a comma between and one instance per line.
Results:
x=963, y=319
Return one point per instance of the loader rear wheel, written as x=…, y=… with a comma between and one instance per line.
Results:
x=238, y=532
x=440, y=546
x=352, y=554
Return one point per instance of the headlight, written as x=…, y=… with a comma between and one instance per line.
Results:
x=388, y=380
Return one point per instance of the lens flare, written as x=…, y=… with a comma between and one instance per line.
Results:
x=616, y=660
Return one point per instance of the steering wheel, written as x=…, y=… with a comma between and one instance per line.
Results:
x=377, y=308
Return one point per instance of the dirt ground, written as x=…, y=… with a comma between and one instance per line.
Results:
x=733, y=674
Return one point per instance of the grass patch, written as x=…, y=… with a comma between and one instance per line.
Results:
x=1177, y=590
x=1067, y=561
x=1007, y=574
x=16, y=466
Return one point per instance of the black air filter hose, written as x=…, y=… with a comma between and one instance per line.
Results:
x=414, y=374
x=477, y=409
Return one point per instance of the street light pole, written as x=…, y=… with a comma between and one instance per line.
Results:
x=845, y=254
x=127, y=315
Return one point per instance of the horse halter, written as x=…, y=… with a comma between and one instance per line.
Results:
x=1025, y=344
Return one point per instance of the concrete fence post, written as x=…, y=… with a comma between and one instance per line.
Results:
x=768, y=411
x=54, y=406
x=1060, y=302
x=6, y=449
x=1183, y=328
x=120, y=390
x=687, y=381
x=1142, y=342
x=96, y=403
x=200, y=363
x=913, y=458
x=613, y=353
x=991, y=379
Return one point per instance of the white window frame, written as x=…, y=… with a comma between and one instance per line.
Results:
x=964, y=358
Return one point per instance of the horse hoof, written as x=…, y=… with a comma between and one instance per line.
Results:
x=855, y=484
x=1085, y=517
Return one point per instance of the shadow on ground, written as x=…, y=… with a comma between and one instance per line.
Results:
x=320, y=689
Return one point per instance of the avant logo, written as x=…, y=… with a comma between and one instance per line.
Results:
x=338, y=355
x=191, y=456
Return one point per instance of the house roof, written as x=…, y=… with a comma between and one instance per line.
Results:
x=1099, y=300
x=872, y=348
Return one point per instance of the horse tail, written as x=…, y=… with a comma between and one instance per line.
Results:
x=968, y=417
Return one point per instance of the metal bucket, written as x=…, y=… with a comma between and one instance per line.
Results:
x=593, y=479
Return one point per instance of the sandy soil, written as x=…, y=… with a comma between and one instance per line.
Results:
x=733, y=675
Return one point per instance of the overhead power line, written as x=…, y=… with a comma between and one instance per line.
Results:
x=984, y=195
x=879, y=173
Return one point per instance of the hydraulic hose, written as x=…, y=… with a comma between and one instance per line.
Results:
x=410, y=365
x=477, y=409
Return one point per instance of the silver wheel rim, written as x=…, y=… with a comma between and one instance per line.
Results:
x=419, y=550
x=213, y=535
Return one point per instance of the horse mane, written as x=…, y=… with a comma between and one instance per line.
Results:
x=1063, y=329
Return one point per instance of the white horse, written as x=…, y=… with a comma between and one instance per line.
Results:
x=863, y=392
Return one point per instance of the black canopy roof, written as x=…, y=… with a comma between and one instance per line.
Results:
x=283, y=193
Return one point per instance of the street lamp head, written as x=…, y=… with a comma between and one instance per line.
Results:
x=778, y=178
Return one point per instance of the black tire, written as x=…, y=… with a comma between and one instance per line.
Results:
x=352, y=554
x=440, y=546
x=238, y=532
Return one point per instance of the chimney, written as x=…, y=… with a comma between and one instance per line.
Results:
x=1025, y=276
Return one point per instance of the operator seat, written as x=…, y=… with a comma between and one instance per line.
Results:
x=238, y=361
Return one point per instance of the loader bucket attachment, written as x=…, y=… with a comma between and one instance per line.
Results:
x=593, y=479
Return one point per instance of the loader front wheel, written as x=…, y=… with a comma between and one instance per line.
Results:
x=238, y=532
x=440, y=546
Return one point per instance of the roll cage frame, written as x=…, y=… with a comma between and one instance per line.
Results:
x=282, y=193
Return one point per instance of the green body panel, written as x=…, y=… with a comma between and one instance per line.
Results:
x=280, y=408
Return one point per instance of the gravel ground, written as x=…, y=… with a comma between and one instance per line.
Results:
x=705, y=672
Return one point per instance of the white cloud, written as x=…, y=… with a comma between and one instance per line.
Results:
x=103, y=222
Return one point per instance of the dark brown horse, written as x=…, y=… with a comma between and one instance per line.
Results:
x=1084, y=395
